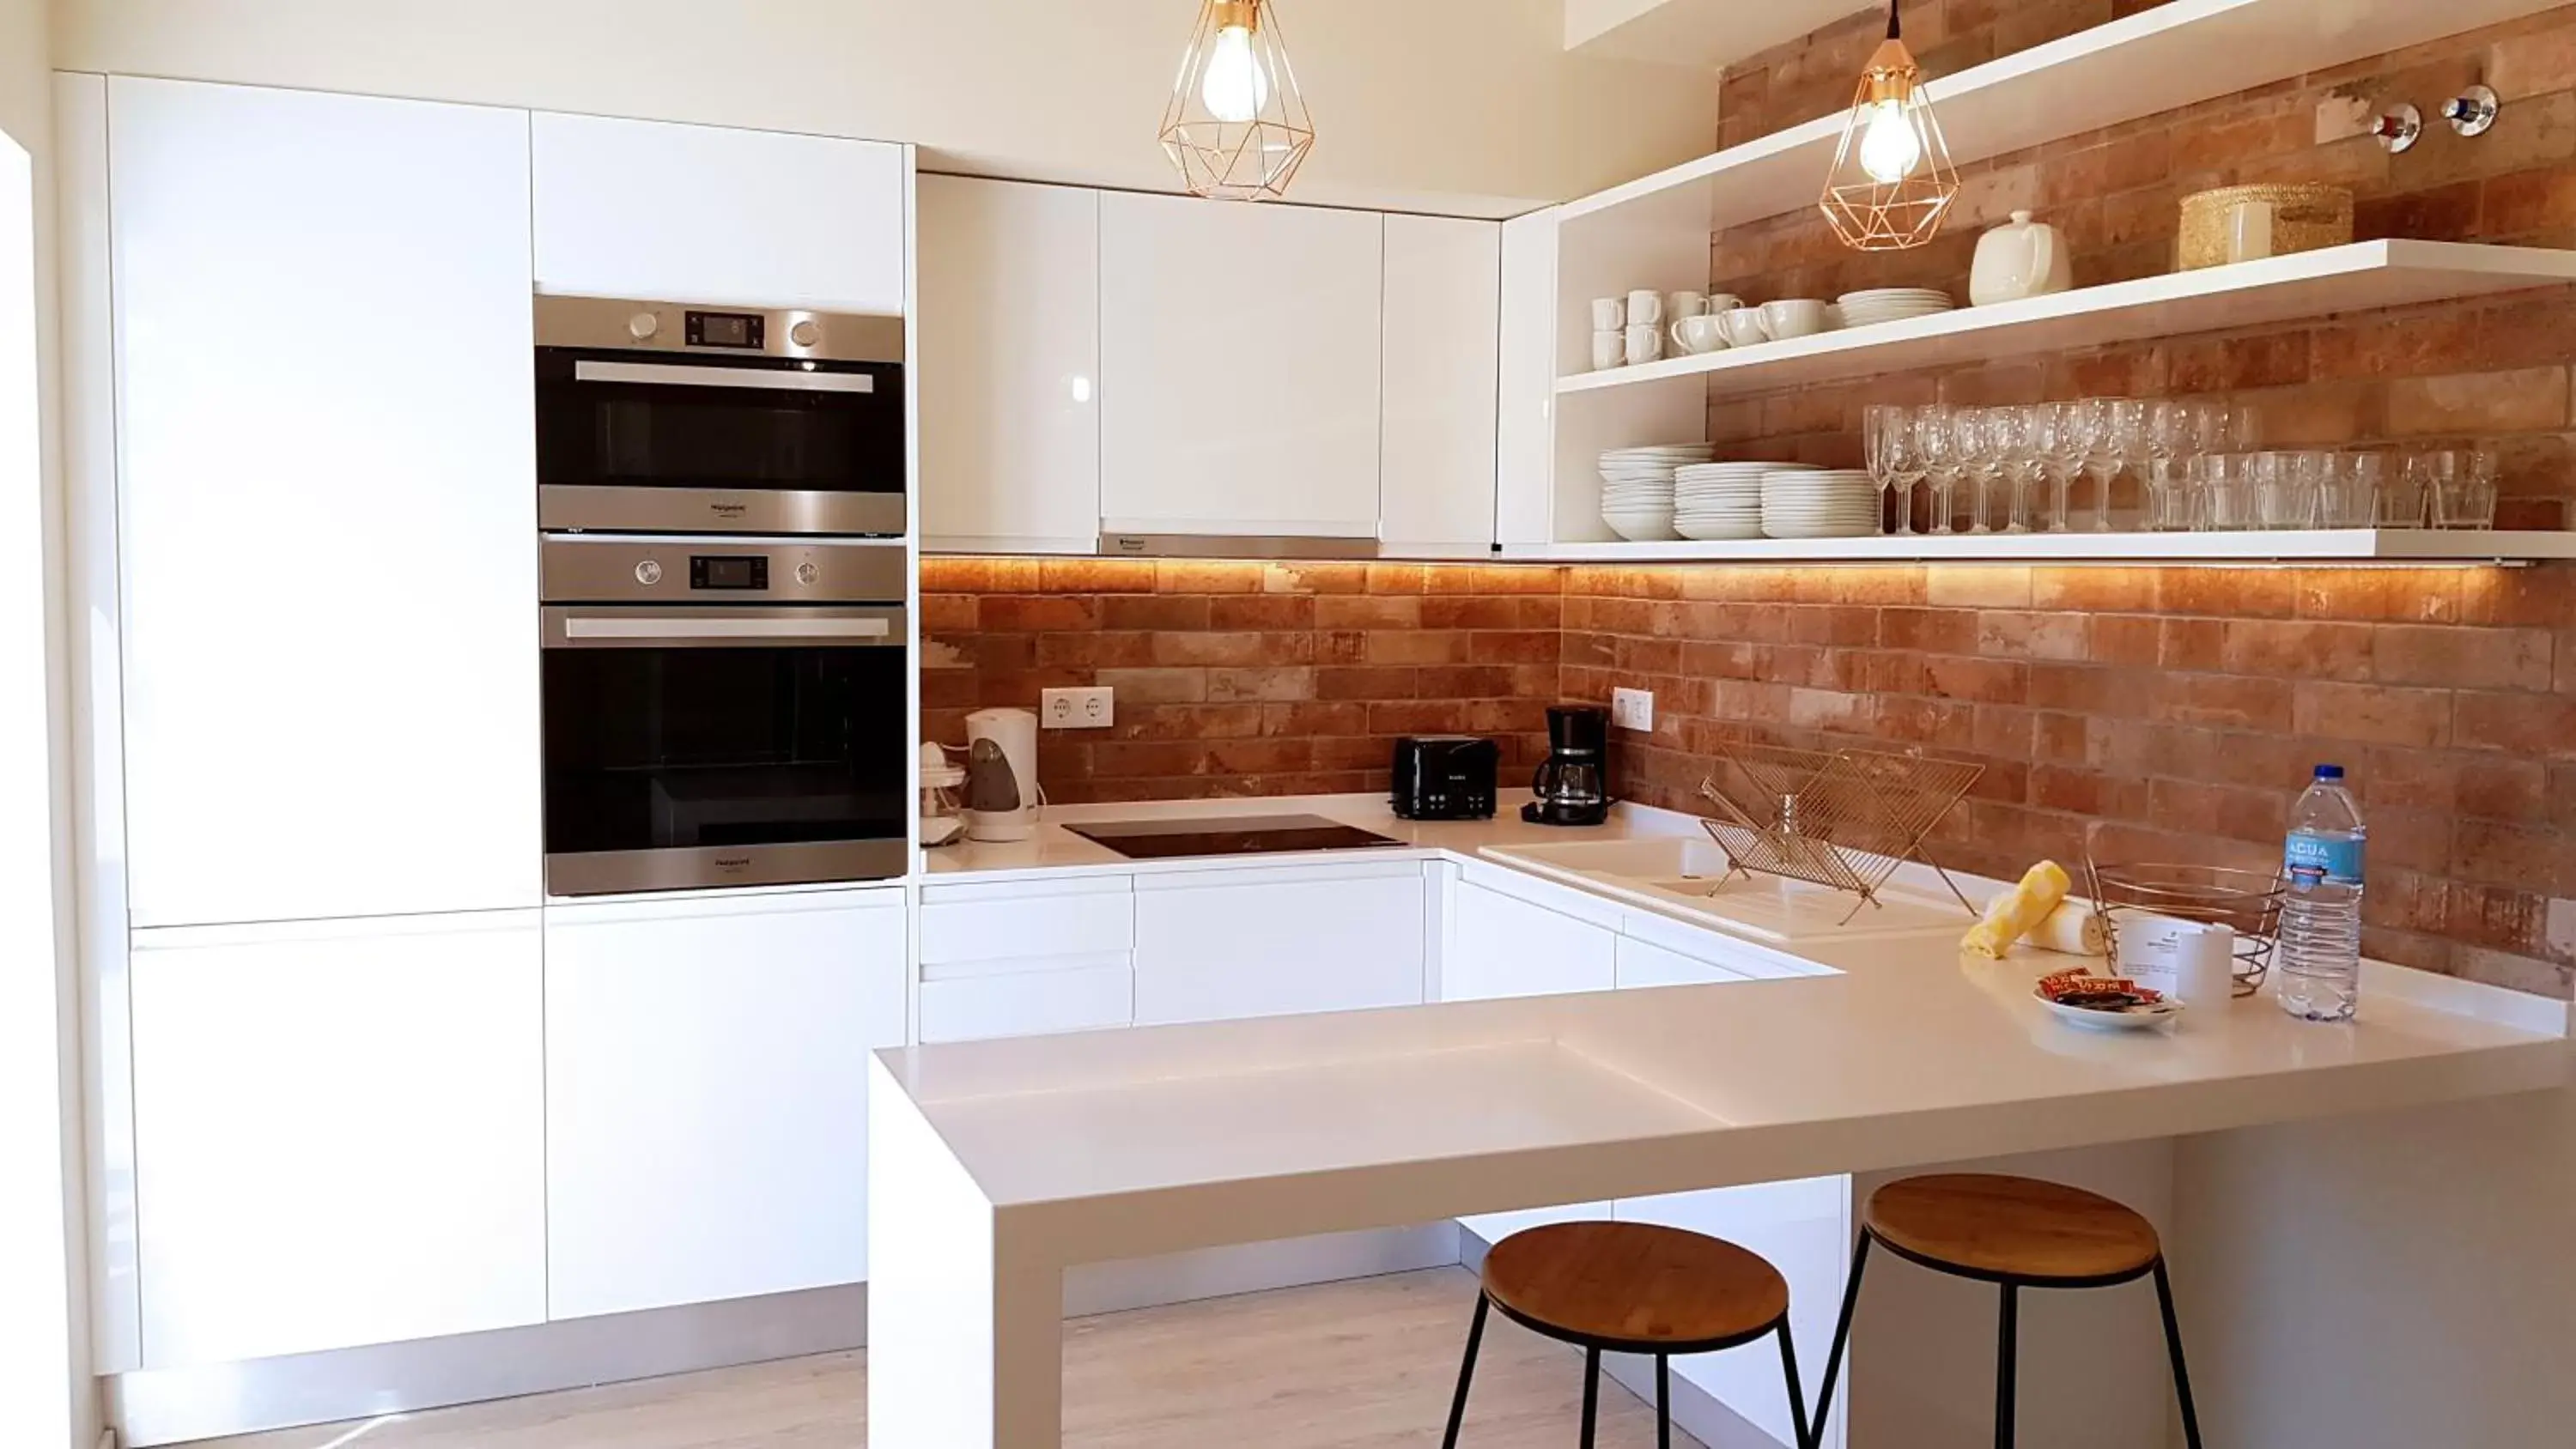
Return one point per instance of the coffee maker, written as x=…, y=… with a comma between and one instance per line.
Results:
x=1573, y=785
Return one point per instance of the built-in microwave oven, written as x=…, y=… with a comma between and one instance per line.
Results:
x=665, y=417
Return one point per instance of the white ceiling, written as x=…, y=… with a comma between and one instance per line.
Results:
x=1705, y=33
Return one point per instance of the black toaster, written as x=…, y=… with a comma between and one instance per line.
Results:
x=1445, y=777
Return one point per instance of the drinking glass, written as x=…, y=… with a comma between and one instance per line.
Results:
x=2464, y=495
x=1975, y=433
x=2102, y=453
x=1936, y=438
x=2285, y=488
x=1883, y=438
x=2406, y=496
x=2019, y=436
x=2136, y=445
x=2169, y=496
x=2348, y=490
x=2227, y=491
x=1910, y=466
x=2065, y=441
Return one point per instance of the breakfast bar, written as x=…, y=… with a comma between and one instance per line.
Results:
x=996, y=1166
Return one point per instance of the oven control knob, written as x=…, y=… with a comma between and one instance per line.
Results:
x=643, y=325
x=648, y=572
x=806, y=573
x=805, y=333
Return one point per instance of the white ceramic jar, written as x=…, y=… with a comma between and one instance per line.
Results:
x=2021, y=258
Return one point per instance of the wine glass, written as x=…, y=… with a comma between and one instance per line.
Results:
x=2135, y=450
x=2065, y=441
x=1884, y=437
x=1980, y=440
x=1936, y=441
x=2020, y=435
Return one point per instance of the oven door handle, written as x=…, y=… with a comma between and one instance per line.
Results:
x=644, y=630
x=666, y=374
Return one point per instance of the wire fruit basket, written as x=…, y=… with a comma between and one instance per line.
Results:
x=1839, y=818
x=2247, y=902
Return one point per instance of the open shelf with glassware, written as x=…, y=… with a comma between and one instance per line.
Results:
x=2345, y=545
x=2362, y=276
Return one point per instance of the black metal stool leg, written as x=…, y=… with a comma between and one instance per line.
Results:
x=1466, y=1373
x=2173, y=1345
x=1591, y=1392
x=1663, y=1402
x=1806, y=1437
x=2007, y=1352
x=1842, y=1337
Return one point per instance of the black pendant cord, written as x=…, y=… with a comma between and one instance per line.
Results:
x=1892, y=27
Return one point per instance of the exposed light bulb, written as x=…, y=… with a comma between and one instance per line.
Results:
x=1889, y=149
x=1236, y=87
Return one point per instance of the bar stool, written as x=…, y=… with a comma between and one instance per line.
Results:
x=1631, y=1288
x=2015, y=1232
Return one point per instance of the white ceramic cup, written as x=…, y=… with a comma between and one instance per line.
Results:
x=1646, y=309
x=1744, y=327
x=1797, y=317
x=1645, y=343
x=1721, y=303
x=1609, y=314
x=1701, y=334
x=1678, y=305
x=1609, y=349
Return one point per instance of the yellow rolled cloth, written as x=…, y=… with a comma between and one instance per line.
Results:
x=2010, y=915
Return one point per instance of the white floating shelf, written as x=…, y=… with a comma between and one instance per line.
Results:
x=2174, y=55
x=2358, y=545
x=2361, y=277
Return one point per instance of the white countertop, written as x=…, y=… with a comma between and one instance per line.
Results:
x=1153, y=1139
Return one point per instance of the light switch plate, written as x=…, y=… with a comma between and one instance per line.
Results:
x=1633, y=709
x=1095, y=708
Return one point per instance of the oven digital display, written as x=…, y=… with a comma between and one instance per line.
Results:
x=716, y=571
x=745, y=330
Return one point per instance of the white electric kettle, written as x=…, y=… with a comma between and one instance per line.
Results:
x=1002, y=796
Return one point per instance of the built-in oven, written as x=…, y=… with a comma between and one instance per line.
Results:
x=671, y=418
x=723, y=711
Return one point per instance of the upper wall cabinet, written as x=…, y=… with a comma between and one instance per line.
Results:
x=1441, y=332
x=1010, y=364
x=328, y=540
x=1239, y=356
x=653, y=210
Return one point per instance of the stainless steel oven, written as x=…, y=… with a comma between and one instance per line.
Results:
x=671, y=418
x=723, y=711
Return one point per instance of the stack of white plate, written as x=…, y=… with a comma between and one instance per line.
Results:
x=1637, y=488
x=1819, y=503
x=1892, y=304
x=1720, y=501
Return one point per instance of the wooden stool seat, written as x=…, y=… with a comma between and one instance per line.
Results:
x=1635, y=1287
x=2017, y=1228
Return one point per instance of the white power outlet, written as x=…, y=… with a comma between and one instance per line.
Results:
x=1633, y=709
x=1095, y=708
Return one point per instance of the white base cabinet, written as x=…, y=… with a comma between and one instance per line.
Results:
x=340, y=1134
x=706, y=1093
x=1026, y=958
x=1274, y=941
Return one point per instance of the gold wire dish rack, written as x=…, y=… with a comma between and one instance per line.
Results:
x=2247, y=902
x=1839, y=818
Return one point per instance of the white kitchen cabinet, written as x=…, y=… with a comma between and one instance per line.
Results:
x=1501, y=946
x=1270, y=941
x=1441, y=341
x=1239, y=363
x=1027, y=957
x=328, y=545
x=658, y=211
x=1525, y=425
x=1010, y=366
x=339, y=1133
x=706, y=1093
x=1642, y=963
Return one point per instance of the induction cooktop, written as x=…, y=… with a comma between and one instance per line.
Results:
x=1229, y=835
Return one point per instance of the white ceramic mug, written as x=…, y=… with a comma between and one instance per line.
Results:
x=1609, y=314
x=1701, y=334
x=1646, y=309
x=1721, y=303
x=1609, y=349
x=1744, y=327
x=1796, y=317
x=1645, y=343
x=1678, y=305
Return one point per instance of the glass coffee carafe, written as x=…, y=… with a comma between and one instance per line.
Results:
x=1573, y=784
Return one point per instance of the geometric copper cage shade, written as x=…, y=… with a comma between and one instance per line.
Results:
x=1237, y=127
x=1892, y=182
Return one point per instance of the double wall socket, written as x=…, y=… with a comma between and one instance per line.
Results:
x=1632, y=709
x=1095, y=708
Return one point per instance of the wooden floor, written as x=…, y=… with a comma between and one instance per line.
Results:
x=1367, y=1363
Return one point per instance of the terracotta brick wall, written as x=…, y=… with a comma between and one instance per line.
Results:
x=1242, y=678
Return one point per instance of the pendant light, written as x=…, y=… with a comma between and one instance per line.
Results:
x=1237, y=127
x=1892, y=182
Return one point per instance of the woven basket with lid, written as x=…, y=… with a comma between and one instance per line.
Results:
x=2305, y=217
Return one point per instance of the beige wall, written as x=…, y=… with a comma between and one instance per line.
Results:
x=1467, y=106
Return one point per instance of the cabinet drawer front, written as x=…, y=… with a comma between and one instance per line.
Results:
x=1078, y=994
x=1026, y=920
x=1345, y=941
x=1499, y=947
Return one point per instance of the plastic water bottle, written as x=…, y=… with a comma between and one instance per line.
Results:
x=2320, y=945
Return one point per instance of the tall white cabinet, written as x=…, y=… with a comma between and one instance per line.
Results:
x=328, y=504
x=1239, y=351
x=1010, y=366
x=1439, y=337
